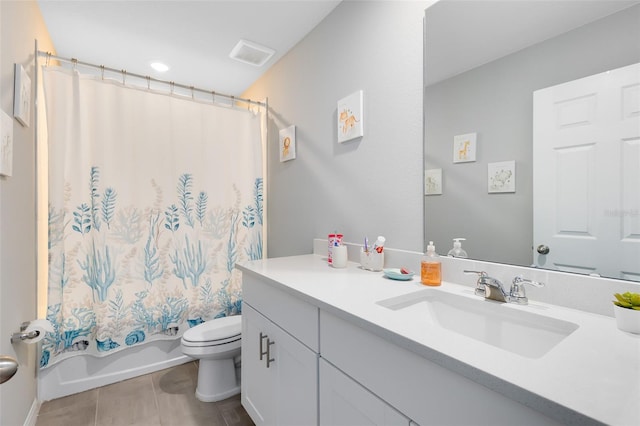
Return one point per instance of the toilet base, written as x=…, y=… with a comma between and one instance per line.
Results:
x=216, y=380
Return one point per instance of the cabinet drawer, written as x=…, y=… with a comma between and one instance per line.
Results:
x=420, y=389
x=298, y=318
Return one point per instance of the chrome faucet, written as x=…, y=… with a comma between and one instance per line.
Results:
x=492, y=289
x=489, y=287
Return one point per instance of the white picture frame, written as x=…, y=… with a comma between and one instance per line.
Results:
x=501, y=177
x=433, y=182
x=22, y=95
x=350, y=119
x=287, y=144
x=464, y=148
x=6, y=144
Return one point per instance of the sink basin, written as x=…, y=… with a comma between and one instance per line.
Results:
x=498, y=324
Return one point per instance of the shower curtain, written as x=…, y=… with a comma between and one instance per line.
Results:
x=153, y=198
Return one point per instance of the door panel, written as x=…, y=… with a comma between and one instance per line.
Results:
x=586, y=174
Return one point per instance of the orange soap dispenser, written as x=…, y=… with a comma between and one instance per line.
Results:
x=430, y=267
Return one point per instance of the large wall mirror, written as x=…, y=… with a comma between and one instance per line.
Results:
x=484, y=59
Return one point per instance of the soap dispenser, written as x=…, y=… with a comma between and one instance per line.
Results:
x=430, y=267
x=457, y=250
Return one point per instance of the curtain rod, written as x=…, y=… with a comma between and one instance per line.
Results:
x=149, y=79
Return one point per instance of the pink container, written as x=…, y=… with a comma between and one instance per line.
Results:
x=334, y=240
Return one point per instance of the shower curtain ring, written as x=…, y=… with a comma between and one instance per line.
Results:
x=172, y=84
x=148, y=82
x=74, y=61
x=213, y=97
x=102, y=71
x=48, y=59
x=192, y=94
x=124, y=77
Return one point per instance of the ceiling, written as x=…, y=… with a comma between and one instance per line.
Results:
x=463, y=34
x=194, y=38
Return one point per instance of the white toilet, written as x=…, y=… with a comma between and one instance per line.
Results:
x=216, y=344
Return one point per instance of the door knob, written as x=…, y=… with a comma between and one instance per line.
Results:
x=543, y=249
x=8, y=367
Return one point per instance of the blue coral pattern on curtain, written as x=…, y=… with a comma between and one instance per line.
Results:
x=153, y=199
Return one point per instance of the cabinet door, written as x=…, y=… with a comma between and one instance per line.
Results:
x=297, y=381
x=345, y=402
x=257, y=385
x=285, y=392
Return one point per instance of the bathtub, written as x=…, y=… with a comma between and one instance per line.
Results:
x=84, y=372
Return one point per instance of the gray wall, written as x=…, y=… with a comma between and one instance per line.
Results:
x=496, y=102
x=366, y=187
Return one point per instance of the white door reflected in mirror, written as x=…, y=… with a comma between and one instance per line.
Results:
x=586, y=156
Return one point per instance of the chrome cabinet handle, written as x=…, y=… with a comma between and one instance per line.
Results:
x=269, y=359
x=266, y=352
x=262, y=351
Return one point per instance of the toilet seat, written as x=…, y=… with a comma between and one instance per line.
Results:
x=218, y=332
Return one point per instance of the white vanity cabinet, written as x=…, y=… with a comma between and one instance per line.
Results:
x=279, y=371
x=343, y=357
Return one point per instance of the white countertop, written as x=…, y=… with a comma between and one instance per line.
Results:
x=592, y=376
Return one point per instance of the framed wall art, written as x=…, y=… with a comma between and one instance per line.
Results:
x=287, y=144
x=433, y=182
x=21, y=96
x=501, y=177
x=464, y=148
x=6, y=144
x=350, y=120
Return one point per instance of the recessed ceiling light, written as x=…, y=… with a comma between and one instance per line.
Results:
x=159, y=66
x=251, y=53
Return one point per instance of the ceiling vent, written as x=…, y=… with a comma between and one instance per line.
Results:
x=251, y=53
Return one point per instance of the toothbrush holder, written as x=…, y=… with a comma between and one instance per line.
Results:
x=371, y=260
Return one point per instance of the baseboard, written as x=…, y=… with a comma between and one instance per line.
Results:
x=32, y=417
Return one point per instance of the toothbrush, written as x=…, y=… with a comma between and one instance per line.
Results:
x=379, y=244
x=366, y=245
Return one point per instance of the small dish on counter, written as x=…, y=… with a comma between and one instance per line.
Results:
x=396, y=274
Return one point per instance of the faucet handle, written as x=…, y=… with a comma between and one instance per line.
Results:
x=480, y=288
x=479, y=273
x=517, y=294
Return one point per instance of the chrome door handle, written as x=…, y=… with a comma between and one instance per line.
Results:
x=8, y=367
x=543, y=249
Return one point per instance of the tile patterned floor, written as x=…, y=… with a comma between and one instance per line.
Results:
x=163, y=398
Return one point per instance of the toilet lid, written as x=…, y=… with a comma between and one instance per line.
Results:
x=217, y=331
